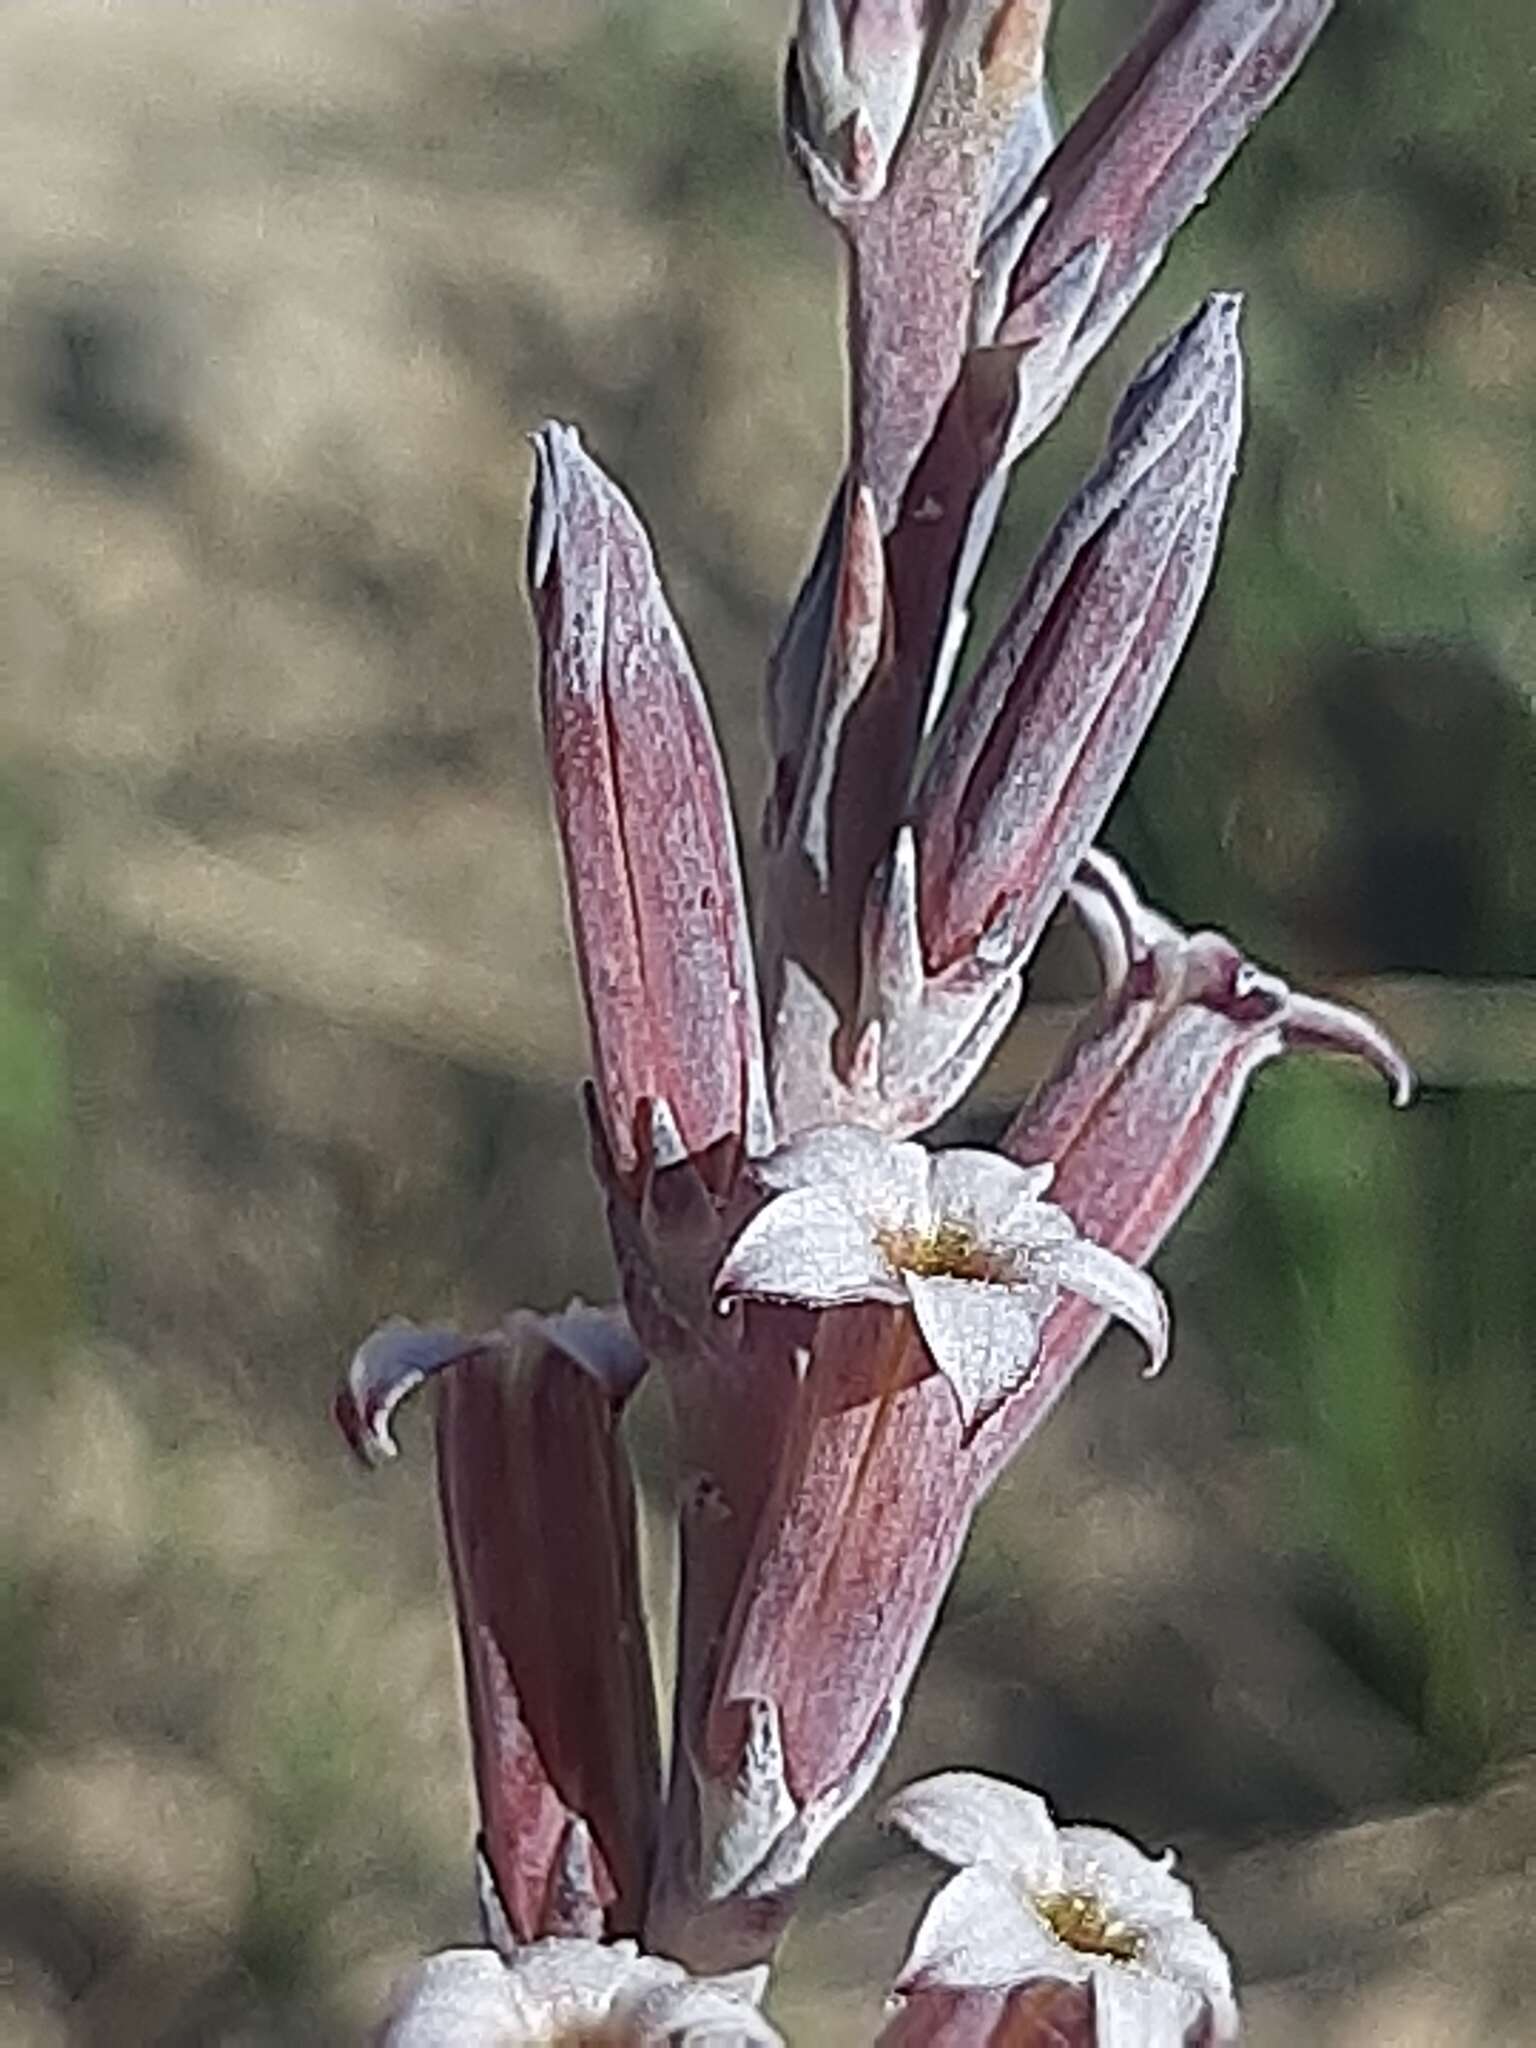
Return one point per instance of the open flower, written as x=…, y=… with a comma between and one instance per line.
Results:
x=582, y=1992
x=1076, y=1905
x=963, y=1238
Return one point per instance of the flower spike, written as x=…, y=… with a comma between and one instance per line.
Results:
x=993, y=346
x=856, y=1332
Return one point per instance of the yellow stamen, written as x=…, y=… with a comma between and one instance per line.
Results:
x=948, y=1251
x=1081, y=1921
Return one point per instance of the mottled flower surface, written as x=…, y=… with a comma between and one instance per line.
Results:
x=964, y=1238
x=1033, y=1901
x=584, y=1993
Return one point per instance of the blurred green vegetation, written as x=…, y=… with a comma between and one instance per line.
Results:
x=38, y=1272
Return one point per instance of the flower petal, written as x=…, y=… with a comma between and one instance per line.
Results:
x=1134, y=2010
x=1187, y=1952
x=387, y=1366
x=1115, y=1285
x=882, y=1179
x=709, y=2012
x=966, y=1817
x=978, y=1930
x=561, y=1983
x=991, y=1196
x=1133, y=1886
x=459, y=1999
x=1313, y=1022
x=983, y=1338
x=809, y=1246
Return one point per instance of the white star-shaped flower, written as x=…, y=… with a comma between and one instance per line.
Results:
x=576, y=1991
x=1076, y=1904
x=961, y=1237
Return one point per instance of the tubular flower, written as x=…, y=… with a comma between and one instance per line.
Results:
x=963, y=1238
x=536, y=1494
x=1033, y=1902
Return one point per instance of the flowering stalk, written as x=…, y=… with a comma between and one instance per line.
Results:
x=856, y=1332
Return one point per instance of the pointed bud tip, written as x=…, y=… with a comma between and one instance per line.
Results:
x=554, y=444
x=664, y=1139
x=1198, y=367
x=1157, y=1336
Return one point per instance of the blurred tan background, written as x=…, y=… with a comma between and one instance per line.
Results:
x=288, y=1039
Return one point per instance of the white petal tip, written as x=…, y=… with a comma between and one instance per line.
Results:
x=1159, y=1343
x=668, y=1147
x=387, y=1366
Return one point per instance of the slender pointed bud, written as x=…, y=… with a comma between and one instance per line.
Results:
x=1030, y=757
x=1138, y=1111
x=650, y=855
x=1128, y=174
x=1053, y=278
